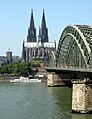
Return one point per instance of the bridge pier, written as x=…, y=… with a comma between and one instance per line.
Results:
x=82, y=96
x=54, y=79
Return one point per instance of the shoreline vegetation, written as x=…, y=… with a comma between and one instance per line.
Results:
x=15, y=70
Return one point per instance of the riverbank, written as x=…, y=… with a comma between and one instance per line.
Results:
x=6, y=79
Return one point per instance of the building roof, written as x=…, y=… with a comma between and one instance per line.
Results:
x=49, y=44
x=35, y=44
x=30, y=44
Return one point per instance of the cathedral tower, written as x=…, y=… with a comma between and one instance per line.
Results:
x=31, y=37
x=33, y=48
x=43, y=31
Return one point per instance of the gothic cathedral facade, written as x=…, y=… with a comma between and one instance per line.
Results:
x=33, y=48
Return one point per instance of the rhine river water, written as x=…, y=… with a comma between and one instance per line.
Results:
x=36, y=101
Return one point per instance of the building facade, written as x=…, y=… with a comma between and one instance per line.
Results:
x=9, y=56
x=34, y=48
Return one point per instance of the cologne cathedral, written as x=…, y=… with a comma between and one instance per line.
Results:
x=37, y=47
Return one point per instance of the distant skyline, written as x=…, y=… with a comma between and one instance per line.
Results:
x=15, y=19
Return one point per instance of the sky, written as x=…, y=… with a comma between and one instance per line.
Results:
x=15, y=19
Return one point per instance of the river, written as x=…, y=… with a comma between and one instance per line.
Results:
x=36, y=101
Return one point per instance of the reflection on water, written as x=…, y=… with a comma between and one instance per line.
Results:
x=62, y=102
x=36, y=101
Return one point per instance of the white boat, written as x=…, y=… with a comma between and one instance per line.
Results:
x=25, y=80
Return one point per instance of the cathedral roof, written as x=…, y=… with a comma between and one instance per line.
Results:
x=39, y=44
x=30, y=44
x=49, y=44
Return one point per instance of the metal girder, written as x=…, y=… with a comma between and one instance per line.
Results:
x=75, y=32
x=79, y=46
x=83, y=38
x=51, y=59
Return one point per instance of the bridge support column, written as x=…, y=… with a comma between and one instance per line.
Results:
x=54, y=79
x=82, y=96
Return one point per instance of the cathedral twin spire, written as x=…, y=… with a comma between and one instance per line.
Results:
x=43, y=25
x=31, y=30
x=43, y=31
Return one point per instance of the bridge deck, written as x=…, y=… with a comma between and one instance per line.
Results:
x=70, y=70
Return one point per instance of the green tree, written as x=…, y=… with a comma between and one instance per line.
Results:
x=23, y=68
x=4, y=69
x=36, y=63
x=15, y=68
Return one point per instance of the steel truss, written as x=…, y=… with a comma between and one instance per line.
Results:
x=51, y=61
x=75, y=47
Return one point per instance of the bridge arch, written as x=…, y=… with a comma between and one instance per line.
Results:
x=51, y=61
x=75, y=46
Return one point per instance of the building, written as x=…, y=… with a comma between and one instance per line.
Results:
x=16, y=59
x=9, y=56
x=37, y=47
x=3, y=60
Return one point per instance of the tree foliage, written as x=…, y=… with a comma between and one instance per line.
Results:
x=35, y=63
x=23, y=68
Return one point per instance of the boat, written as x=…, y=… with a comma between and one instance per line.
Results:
x=25, y=80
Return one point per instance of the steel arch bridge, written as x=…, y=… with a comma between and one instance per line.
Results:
x=51, y=61
x=74, y=47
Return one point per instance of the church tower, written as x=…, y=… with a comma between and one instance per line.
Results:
x=31, y=37
x=43, y=31
x=33, y=48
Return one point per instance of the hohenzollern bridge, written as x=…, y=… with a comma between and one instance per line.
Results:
x=73, y=60
x=74, y=48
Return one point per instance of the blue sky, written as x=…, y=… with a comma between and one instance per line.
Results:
x=15, y=17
